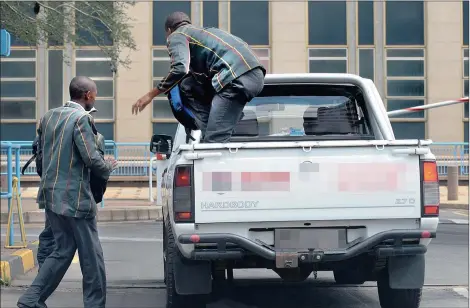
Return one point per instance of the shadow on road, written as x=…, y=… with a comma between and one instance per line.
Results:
x=274, y=294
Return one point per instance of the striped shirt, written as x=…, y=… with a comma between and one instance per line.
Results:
x=69, y=155
x=208, y=53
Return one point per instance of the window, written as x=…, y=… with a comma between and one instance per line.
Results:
x=96, y=65
x=404, y=22
x=465, y=91
x=365, y=22
x=304, y=112
x=264, y=56
x=365, y=33
x=465, y=12
x=327, y=23
x=366, y=63
x=405, y=87
x=249, y=20
x=327, y=60
x=210, y=14
x=160, y=68
x=55, y=77
x=82, y=16
x=161, y=9
x=18, y=85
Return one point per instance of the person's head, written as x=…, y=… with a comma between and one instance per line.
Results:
x=83, y=91
x=176, y=20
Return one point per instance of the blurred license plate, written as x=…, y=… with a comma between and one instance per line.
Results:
x=304, y=239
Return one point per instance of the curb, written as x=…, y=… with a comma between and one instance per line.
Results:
x=455, y=206
x=19, y=262
x=103, y=215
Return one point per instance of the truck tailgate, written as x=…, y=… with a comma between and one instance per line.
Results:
x=295, y=184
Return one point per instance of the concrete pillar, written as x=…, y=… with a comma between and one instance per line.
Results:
x=379, y=26
x=134, y=82
x=444, y=69
x=452, y=183
x=289, y=37
x=351, y=12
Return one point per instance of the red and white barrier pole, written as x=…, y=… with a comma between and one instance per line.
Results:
x=428, y=106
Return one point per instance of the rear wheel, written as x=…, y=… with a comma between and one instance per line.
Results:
x=164, y=253
x=396, y=298
x=173, y=299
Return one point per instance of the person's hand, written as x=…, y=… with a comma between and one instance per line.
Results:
x=113, y=163
x=145, y=100
x=140, y=104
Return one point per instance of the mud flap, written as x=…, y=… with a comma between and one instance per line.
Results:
x=192, y=278
x=406, y=272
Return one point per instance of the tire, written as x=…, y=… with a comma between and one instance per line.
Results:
x=173, y=299
x=396, y=298
x=354, y=276
x=164, y=252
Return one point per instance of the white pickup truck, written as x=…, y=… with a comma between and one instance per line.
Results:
x=312, y=180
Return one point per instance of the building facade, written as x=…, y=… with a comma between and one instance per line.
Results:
x=415, y=51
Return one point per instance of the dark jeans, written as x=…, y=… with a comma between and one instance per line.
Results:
x=217, y=114
x=70, y=234
x=46, y=243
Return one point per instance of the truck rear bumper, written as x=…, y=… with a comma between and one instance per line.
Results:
x=227, y=246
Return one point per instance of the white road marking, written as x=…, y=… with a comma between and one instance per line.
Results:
x=461, y=291
x=461, y=213
x=460, y=221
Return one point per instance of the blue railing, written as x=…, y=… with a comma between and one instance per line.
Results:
x=451, y=154
x=134, y=157
x=9, y=149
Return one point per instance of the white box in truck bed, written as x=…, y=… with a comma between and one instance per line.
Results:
x=312, y=180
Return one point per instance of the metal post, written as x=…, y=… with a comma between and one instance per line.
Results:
x=452, y=183
x=10, y=193
x=17, y=167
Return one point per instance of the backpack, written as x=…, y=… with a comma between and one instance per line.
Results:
x=181, y=113
x=98, y=185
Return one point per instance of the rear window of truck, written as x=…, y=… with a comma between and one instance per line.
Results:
x=305, y=112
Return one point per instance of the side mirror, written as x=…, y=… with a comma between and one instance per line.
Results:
x=161, y=144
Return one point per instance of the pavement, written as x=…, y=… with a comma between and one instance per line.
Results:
x=133, y=256
x=460, y=203
x=113, y=210
x=112, y=193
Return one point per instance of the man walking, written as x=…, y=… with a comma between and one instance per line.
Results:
x=70, y=155
x=217, y=73
x=97, y=186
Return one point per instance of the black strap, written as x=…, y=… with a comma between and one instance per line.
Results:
x=188, y=135
x=27, y=164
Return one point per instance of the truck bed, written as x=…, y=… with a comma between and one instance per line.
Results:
x=339, y=180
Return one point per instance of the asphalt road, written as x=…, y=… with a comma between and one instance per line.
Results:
x=136, y=282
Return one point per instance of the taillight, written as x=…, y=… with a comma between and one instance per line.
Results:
x=430, y=189
x=183, y=206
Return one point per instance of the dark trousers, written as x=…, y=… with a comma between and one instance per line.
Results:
x=46, y=243
x=70, y=234
x=217, y=114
